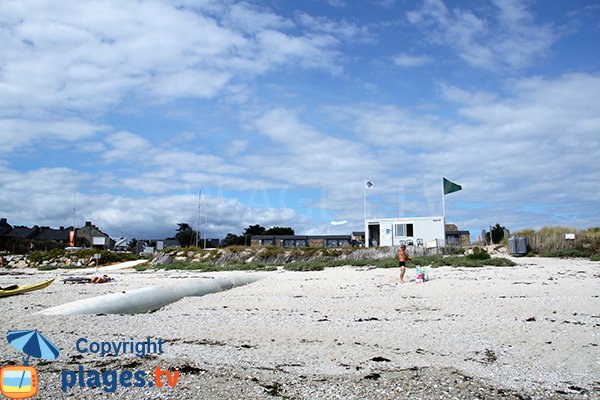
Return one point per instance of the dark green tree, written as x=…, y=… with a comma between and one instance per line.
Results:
x=132, y=244
x=254, y=230
x=186, y=236
x=279, y=230
x=232, y=240
x=497, y=233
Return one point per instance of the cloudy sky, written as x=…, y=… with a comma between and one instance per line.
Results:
x=279, y=110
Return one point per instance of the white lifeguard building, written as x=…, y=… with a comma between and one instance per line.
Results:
x=428, y=232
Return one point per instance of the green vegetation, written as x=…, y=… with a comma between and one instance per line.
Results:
x=254, y=230
x=595, y=257
x=106, y=257
x=270, y=252
x=497, y=233
x=566, y=253
x=478, y=260
x=185, y=235
x=39, y=256
x=53, y=267
x=47, y=267
x=322, y=263
x=550, y=241
x=479, y=256
x=208, y=267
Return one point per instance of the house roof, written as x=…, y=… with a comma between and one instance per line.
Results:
x=52, y=234
x=22, y=232
x=457, y=233
x=121, y=242
x=300, y=237
x=5, y=227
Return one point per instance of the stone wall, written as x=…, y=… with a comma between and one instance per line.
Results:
x=21, y=261
x=15, y=261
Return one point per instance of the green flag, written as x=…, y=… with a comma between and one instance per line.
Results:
x=450, y=187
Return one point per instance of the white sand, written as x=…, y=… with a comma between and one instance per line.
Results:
x=533, y=329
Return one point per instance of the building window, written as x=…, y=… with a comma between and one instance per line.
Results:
x=267, y=242
x=336, y=242
x=289, y=243
x=404, y=230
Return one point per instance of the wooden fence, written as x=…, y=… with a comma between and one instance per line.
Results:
x=541, y=243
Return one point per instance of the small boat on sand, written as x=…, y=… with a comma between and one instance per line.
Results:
x=11, y=290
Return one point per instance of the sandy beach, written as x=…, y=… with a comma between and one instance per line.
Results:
x=530, y=331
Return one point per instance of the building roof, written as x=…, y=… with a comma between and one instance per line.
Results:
x=5, y=227
x=457, y=233
x=402, y=219
x=171, y=243
x=300, y=237
x=22, y=232
x=47, y=233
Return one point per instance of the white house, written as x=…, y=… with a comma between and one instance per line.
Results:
x=419, y=231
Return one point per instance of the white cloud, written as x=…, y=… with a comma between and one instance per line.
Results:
x=45, y=197
x=35, y=132
x=304, y=154
x=408, y=60
x=236, y=147
x=534, y=146
x=343, y=30
x=389, y=125
x=90, y=57
x=538, y=106
x=337, y=3
x=313, y=51
x=82, y=75
x=511, y=39
x=251, y=19
x=188, y=83
x=122, y=145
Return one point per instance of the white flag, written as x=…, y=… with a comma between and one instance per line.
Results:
x=368, y=185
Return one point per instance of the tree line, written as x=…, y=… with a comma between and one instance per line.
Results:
x=232, y=239
x=186, y=235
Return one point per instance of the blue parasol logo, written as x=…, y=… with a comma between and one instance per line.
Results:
x=32, y=343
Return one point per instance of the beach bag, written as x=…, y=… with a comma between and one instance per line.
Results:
x=421, y=275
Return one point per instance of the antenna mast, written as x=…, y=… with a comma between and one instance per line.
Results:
x=205, y=224
x=198, y=217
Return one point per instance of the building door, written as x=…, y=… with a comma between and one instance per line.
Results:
x=374, y=239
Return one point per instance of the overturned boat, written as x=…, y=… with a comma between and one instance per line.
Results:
x=152, y=298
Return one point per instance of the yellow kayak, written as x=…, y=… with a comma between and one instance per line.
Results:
x=26, y=288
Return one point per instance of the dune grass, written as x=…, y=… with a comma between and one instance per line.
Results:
x=433, y=261
x=208, y=267
x=53, y=267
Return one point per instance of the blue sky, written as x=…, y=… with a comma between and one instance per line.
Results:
x=278, y=111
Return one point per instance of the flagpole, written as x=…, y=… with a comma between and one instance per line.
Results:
x=365, y=199
x=198, y=217
x=205, y=224
x=443, y=202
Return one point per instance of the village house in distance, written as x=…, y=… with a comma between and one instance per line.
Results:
x=86, y=236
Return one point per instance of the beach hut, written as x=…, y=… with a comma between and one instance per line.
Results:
x=417, y=231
